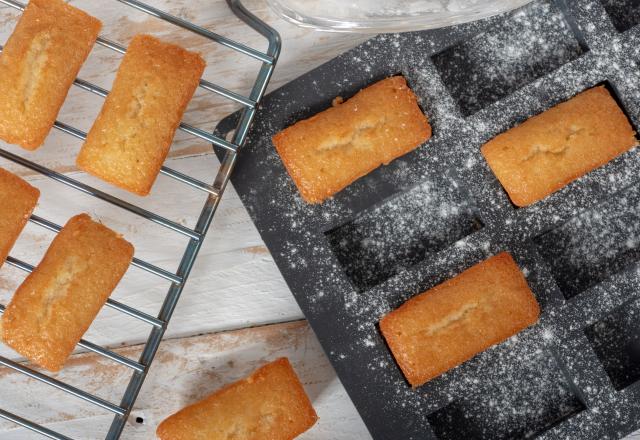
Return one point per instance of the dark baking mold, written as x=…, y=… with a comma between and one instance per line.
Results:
x=616, y=341
x=401, y=232
x=624, y=14
x=438, y=210
x=495, y=63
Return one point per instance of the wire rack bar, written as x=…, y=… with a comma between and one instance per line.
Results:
x=206, y=136
x=122, y=360
x=32, y=426
x=135, y=313
x=184, y=178
x=19, y=264
x=195, y=235
x=110, y=44
x=265, y=58
x=162, y=273
x=69, y=389
x=68, y=129
x=233, y=96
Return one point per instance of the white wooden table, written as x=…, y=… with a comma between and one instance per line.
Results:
x=236, y=312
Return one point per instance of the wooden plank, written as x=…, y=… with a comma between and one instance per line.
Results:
x=185, y=370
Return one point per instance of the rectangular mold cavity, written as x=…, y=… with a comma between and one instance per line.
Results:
x=595, y=244
x=401, y=232
x=530, y=43
x=616, y=341
x=624, y=14
x=518, y=403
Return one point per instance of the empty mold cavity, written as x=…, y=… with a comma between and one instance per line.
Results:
x=624, y=14
x=530, y=43
x=595, y=244
x=616, y=341
x=513, y=403
x=401, y=232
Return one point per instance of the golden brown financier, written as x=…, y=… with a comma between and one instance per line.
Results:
x=452, y=322
x=18, y=200
x=329, y=151
x=130, y=140
x=550, y=150
x=38, y=66
x=269, y=404
x=59, y=300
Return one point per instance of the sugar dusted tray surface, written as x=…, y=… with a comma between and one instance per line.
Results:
x=438, y=210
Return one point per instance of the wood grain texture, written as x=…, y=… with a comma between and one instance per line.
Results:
x=186, y=370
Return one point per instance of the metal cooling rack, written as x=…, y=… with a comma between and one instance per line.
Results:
x=196, y=235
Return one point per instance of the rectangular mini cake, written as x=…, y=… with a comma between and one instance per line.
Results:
x=269, y=404
x=59, y=300
x=329, y=151
x=452, y=322
x=550, y=150
x=18, y=199
x=130, y=140
x=38, y=65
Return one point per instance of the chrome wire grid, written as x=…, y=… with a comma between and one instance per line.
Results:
x=196, y=235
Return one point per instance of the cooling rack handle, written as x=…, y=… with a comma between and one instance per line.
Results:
x=275, y=42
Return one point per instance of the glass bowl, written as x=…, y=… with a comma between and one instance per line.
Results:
x=376, y=16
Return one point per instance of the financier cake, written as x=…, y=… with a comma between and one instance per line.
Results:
x=59, y=300
x=452, y=322
x=327, y=152
x=550, y=150
x=130, y=140
x=269, y=404
x=18, y=200
x=38, y=65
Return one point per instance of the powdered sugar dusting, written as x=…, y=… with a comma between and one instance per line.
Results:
x=401, y=232
x=536, y=40
x=345, y=260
